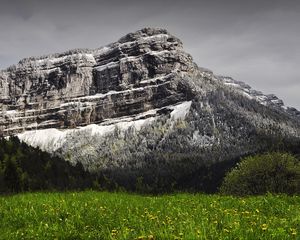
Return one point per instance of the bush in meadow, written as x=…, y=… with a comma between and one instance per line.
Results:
x=270, y=172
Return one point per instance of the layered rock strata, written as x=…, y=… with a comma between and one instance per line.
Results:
x=140, y=72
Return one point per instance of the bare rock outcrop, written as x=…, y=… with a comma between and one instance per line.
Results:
x=139, y=72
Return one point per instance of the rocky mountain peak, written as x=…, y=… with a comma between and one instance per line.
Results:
x=138, y=103
x=139, y=72
x=144, y=33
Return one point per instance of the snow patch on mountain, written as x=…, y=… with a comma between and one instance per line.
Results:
x=46, y=139
x=52, y=139
x=181, y=110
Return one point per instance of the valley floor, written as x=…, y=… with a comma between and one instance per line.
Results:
x=102, y=215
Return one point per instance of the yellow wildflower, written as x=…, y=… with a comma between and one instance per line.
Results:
x=264, y=227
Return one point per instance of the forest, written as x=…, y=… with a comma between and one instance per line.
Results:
x=24, y=168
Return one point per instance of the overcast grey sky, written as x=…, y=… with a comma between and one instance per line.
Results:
x=255, y=41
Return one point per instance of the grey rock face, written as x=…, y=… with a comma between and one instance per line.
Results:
x=138, y=103
x=139, y=72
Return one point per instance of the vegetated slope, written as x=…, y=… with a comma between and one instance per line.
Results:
x=23, y=168
x=139, y=108
x=95, y=215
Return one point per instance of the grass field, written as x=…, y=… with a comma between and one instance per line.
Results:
x=102, y=215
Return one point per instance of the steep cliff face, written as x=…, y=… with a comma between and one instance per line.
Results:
x=140, y=72
x=139, y=105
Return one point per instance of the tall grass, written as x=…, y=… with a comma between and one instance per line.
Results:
x=102, y=215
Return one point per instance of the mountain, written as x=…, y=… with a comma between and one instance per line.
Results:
x=140, y=107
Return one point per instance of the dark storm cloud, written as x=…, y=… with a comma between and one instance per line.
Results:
x=253, y=41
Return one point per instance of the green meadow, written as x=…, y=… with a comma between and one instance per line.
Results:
x=104, y=215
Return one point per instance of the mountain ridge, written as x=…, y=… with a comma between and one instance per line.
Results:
x=133, y=37
x=58, y=75
x=139, y=106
